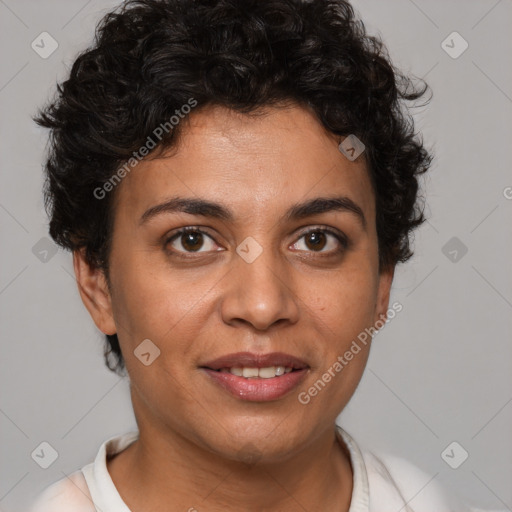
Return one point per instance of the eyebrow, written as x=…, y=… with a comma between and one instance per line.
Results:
x=206, y=208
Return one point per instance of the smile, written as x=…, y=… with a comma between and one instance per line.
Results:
x=256, y=377
x=258, y=373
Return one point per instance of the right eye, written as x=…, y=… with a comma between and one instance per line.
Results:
x=190, y=240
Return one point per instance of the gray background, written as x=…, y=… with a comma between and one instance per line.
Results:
x=439, y=372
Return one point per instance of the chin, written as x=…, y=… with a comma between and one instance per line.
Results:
x=273, y=442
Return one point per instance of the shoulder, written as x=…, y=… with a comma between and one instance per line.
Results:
x=87, y=489
x=396, y=480
x=65, y=495
x=382, y=478
x=419, y=491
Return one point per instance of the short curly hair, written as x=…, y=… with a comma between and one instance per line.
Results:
x=149, y=57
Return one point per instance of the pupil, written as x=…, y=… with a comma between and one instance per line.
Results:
x=316, y=239
x=193, y=241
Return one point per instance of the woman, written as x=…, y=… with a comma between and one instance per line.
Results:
x=237, y=181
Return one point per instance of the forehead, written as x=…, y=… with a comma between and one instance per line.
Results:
x=258, y=163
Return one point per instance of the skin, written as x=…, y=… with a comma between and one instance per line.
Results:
x=200, y=446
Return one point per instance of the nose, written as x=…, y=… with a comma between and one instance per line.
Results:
x=261, y=293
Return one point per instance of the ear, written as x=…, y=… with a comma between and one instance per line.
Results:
x=384, y=290
x=92, y=285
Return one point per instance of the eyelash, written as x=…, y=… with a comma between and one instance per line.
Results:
x=341, y=238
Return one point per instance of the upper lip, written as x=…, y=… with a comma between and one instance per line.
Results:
x=250, y=360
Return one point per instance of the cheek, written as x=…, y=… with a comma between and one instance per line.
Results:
x=344, y=304
x=169, y=307
x=341, y=308
x=340, y=316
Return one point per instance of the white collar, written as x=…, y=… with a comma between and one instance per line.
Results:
x=106, y=497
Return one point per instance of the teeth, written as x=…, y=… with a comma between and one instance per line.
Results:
x=250, y=372
x=262, y=373
x=267, y=373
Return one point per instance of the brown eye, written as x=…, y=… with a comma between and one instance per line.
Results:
x=191, y=240
x=321, y=241
x=316, y=240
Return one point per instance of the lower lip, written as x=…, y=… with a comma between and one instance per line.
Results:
x=257, y=390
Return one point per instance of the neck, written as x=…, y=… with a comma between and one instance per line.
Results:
x=173, y=470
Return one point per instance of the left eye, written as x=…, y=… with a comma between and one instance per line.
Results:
x=317, y=240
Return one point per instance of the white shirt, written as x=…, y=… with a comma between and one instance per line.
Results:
x=380, y=484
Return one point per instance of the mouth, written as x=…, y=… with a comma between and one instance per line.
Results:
x=257, y=377
x=257, y=373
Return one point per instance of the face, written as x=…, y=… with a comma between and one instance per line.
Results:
x=278, y=270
